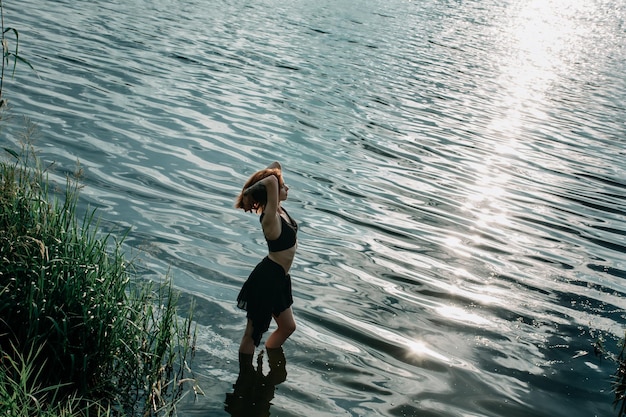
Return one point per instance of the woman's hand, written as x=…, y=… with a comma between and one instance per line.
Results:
x=256, y=194
x=248, y=202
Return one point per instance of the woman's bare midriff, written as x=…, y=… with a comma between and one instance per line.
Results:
x=284, y=258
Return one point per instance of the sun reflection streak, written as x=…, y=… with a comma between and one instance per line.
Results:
x=420, y=349
x=412, y=346
x=542, y=40
x=462, y=315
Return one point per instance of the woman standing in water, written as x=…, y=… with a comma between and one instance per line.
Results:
x=267, y=291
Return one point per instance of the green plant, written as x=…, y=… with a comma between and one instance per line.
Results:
x=619, y=377
x=619, y=381
x=22, y=396
x=7, y=54
x=69, y=295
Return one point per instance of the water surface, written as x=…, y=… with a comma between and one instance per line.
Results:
x=456, y=169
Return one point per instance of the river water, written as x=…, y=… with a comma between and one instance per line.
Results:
x=456, y=168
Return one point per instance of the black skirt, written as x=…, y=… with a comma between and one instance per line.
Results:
x=266, y=292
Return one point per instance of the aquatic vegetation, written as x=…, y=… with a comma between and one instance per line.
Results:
x=8, y=54
x=78, y=331
x=619, y=382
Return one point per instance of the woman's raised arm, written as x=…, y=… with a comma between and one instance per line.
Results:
x=271, y=219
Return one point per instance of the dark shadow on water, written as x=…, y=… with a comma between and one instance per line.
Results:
x=254, y=391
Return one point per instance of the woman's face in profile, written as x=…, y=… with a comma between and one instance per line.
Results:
x=283, y=192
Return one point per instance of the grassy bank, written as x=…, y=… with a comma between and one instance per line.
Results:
x=79, y=334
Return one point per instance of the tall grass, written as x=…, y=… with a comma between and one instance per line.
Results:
x=75, y=324
x=21, y=394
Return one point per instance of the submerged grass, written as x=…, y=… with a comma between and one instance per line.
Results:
x=79, y=335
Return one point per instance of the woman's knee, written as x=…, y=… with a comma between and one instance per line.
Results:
x=286, y=322
x=288, y=327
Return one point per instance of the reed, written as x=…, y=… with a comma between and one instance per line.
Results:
x=619, y=382
x=20, y=395
x=78, y=330
x=7, y=53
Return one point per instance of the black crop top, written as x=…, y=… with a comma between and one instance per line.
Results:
x=287, y=238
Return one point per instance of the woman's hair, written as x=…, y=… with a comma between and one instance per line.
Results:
x=259, y=199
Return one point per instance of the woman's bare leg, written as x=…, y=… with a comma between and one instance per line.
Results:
x=286, y=326
x=247, y=343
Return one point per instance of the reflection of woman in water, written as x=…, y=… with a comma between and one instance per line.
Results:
x=253, y=391
x=267, y=291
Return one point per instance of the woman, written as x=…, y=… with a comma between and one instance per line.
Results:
x=267, y=291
